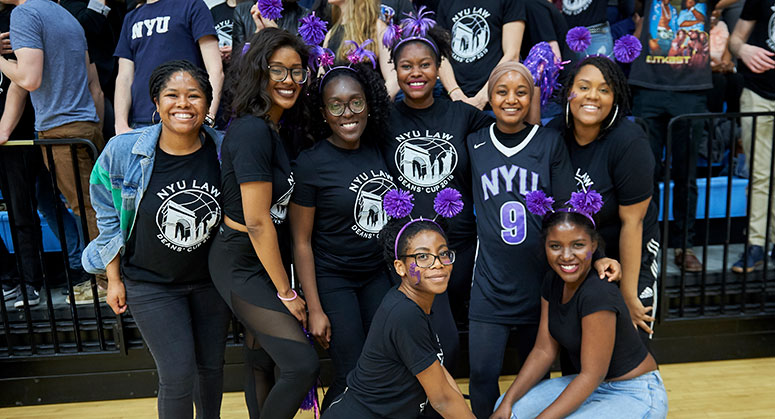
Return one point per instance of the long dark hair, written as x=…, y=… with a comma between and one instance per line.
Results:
x=615, y=78
x=377, y=101
x=248, y=80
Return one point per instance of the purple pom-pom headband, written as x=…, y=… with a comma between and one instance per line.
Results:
x=586, y=203
x=398, y=204
x=355, y=56
x=414, y=27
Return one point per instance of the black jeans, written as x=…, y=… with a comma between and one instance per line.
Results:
x=21, y=165
x=184, y=327
x=350, y=301
x=656, y=108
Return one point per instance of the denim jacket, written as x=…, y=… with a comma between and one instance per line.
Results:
x=117, y=183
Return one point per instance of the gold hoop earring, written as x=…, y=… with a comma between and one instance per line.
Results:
x=616, y=111
x=153, y=117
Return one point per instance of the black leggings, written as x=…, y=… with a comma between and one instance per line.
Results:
x=350, y=301
x=274, y=336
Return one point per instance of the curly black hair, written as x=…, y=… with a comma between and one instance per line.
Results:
x=377, y=101
x=438, y=35
x=387, y=236
x=162, y=74
x=575, y=218
x=615, y=78
x=248, y=78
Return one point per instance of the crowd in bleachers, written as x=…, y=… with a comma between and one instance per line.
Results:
x=262, y=110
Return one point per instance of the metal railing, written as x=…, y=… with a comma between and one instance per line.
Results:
x=717, y=292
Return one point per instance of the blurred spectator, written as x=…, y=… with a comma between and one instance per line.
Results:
x=397, y=9
x=154, y=33
x=753, y=41
x=247, y=19
x=484, y=33
x=669, y=78
x=727, y=84
x=591, y=14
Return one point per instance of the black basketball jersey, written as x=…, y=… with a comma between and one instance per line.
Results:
x=511, y=262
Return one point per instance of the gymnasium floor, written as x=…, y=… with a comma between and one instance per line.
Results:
x=721, y=389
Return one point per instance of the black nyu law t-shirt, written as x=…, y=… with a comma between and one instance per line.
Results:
x=223, y=17
x=620, y=167
x=676, y=46
x=763, y=36
x=584, y=12
x=511, y=262
x=401, y=344
x=346, y=188
x=178, y=211
x=477, y=34
x=545, y=24
x=593, y=295
x=426, y=152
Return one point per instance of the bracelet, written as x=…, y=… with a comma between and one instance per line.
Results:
x=450, y=92
x=288, y=299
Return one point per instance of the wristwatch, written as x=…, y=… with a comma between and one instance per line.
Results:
x=209, y=121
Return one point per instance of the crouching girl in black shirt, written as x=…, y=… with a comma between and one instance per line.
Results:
x=336, y=213
x=587, y=317
x=400, y=369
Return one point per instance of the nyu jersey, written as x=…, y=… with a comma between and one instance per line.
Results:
x=511, y=262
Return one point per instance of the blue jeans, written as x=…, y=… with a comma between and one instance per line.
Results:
x=639, y=397
x=49, y=203
x=184, y=327
x=601, y=43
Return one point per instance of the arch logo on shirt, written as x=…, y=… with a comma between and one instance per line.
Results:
x=370, y=187
x=426, y=161
x=574, y=7
x=188, y=213
x=470, y=34
x=279, y=210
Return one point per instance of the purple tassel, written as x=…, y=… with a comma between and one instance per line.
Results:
x=245, y=48
x=419, y=24
x=544, y=68
x=588, y=203
x=359, y=53
x=578, y=39
x=398, y=203
x=627, y=49
x=270, y=9
x=392, y=35
x=310, y=402
x=312, y=29
x=538, y=203
x=321, y=57
x=448, y=203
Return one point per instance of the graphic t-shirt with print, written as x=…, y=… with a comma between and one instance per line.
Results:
x=676, y=46
x=155, y=33
x=179, y=209
x=477, y=32
x=425, y=152
x=584, y=12
x=346, y=188
x=223, y=17
x=763, y=36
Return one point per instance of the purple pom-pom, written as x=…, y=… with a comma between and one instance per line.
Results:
x=448, y=203
x=398, y=203
x=588, y=203
x=320, y=57
x=270, y=9
x=538, y=203
x=312, y=29
x=418, y=24
x=578, y=39
x=360, y=53
x=627, y=49
x=245, y=48
x=310, y=402
x=391, y=36
x=544, y=68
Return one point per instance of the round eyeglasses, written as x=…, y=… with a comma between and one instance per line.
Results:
x=426, y=260
x=336, y=108
x=279, y=73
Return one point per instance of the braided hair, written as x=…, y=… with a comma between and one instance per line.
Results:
x=162, y=74
x=377, y=101
x=614, y=77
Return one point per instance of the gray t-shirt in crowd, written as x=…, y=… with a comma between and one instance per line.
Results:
x=63, y=95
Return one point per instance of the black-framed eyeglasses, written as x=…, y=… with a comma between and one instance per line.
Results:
x=279, y=73
x=356, y=106
x=426, y=260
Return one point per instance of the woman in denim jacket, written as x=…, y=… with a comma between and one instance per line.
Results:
x=153, y=246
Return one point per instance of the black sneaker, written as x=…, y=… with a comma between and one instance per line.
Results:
x=33, y=297
x=10, y=291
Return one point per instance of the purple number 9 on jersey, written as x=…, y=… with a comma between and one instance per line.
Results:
x=513, y=222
